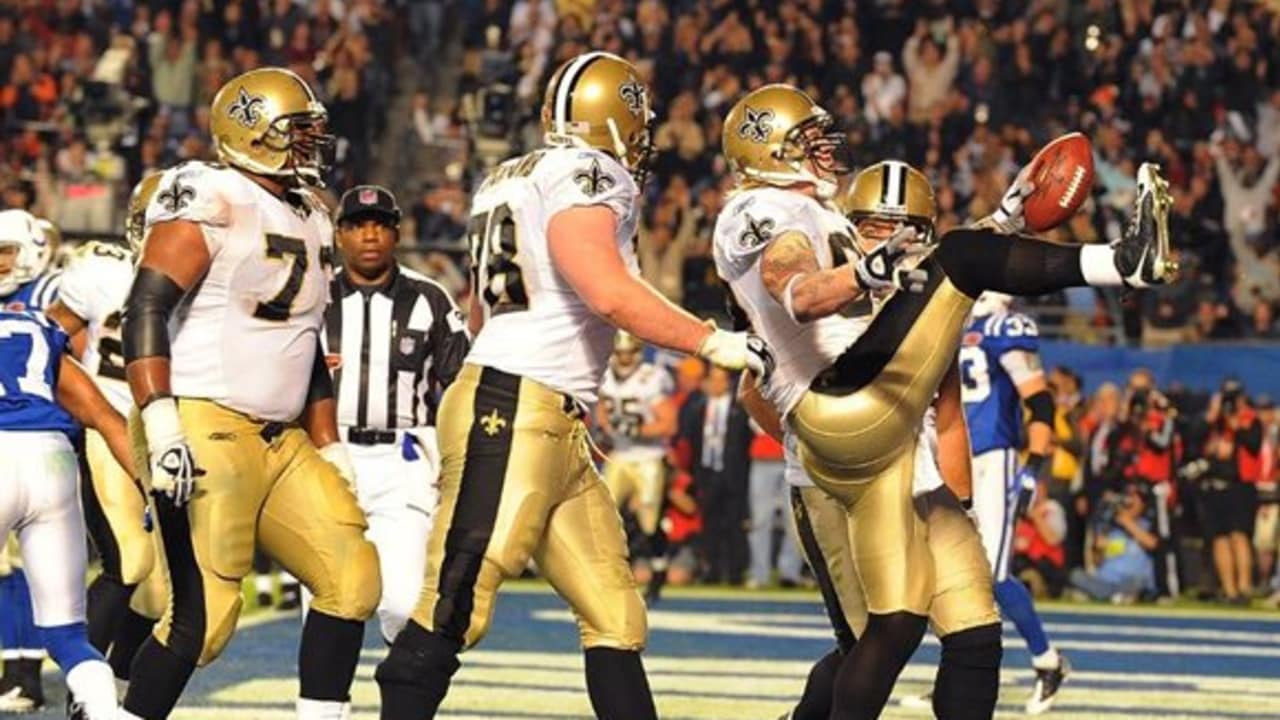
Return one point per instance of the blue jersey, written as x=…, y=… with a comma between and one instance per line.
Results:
x=991, y=403
x=31, y=348
x=35, y=295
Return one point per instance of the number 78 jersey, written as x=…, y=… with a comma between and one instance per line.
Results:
x=536, y=326
x=246, y=335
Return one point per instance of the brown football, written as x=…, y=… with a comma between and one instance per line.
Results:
x=1063, y=176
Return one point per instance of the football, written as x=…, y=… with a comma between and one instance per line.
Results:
x=1063, y=176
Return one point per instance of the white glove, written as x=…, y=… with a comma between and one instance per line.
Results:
x=337, y=455
x=173, y=465
x=878, y=270
x=738, y=350
x=1008, y=217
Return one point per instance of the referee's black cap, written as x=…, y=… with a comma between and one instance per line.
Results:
x=368, y=200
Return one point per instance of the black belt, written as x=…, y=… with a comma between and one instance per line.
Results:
x=507, y=382
x=371, y=436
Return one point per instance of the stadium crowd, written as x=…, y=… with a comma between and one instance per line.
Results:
x=94, y=94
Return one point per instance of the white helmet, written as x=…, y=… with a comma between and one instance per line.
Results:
x=19, y=227
x=990, y=303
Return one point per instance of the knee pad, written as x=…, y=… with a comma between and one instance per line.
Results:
x=359, y=587
x=417, y=656
x=977, y=647
x=625, y=623
x=68, y=645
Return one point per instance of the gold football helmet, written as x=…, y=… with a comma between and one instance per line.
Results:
x=627, y=353
x=891, y=191
x=268, y=122
x=135, y=222
x=777, y=135
x=596, y=100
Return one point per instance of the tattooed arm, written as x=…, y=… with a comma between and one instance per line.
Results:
x=790, y=267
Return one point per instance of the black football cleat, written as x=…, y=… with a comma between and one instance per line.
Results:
x=1143, y=254
x=1048, y=682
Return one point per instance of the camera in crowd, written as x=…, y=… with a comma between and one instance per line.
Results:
x=1128, y=496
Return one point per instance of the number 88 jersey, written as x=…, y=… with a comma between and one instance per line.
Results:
x=95, y=284
x=536, y=326
x=246, y=335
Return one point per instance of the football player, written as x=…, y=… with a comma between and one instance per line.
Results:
x=554, y=270
x=1001, y=369
x=222, y=349
x=637, y=415
x=42, y=391
x=855, y=393
x=90, y=303
x=962, y=603
x=25, y=284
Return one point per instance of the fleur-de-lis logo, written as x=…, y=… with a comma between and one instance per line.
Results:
x=176, y=196
x=632, y=93
x=493, y=423
x=247, y=109
x=756, y=126
x=593, y=180
x=758, y=232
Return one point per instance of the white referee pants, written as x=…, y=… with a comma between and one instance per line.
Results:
x=994, y=503
x=40, y=501
x=397, y=486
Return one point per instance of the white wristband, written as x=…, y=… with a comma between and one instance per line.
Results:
x=161, y=422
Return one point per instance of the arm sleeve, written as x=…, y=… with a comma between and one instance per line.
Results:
x=1021, y=364
x=321, y=385
x=450, y=341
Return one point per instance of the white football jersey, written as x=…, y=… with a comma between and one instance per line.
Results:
x=535, y=325
x=630, y=401
x=752, y=219
x=95, y=284
x=246, y=335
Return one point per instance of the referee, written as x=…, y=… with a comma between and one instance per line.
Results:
x=394, y=340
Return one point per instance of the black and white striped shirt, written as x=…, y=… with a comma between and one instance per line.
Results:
x=392, y=348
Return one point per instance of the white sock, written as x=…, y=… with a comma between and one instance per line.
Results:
x=323, y=710
x=126, y=715
x=1098, y=265
x=262, y=584
x=1047, y=660
x=94, y=685
x=287, y=579
x=31, y=654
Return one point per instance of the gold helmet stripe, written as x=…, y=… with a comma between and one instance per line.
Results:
x=564, y=92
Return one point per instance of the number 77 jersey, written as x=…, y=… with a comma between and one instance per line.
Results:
x=536, y=326
x=246, y=335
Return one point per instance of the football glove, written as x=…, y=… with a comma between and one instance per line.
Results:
x=879, y=271
x=173, y=465
x=738, y=350
x=1008, y=216
x=336, y=454
x=1025, y=487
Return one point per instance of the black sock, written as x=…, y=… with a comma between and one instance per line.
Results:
x=968, y=681
x=976, y=260
x=29, y=672
x=133, y=631
x=868, y=673
x=815, y=703
x=617, y=685
x=108, y=599
x=157, y=679
x=414, y=677
x=327, y=656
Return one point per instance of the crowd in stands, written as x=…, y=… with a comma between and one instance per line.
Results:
x=95, y=93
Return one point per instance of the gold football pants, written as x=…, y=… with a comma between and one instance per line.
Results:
x=517, y=482
x=115, y=508
x=858, y=427
x=641, y=485
x=962, y=596
x=264, y=483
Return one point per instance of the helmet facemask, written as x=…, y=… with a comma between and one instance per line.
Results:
x=637, y=154
x=814, y=141
x=302, y=138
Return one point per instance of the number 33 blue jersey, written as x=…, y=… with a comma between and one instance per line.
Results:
x=991, y=403
x=31, y=350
